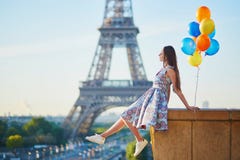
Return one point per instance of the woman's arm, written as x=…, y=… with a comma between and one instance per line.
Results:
x=172, y=75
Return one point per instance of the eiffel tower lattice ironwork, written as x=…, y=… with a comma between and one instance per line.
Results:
x=98, y=93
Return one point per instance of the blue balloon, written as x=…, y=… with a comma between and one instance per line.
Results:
x=188, y=46
x=211, y=35
x=213, y=49
x=193, y=29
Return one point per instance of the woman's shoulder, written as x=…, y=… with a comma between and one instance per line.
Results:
x=169, y=67
x=165, y=69
x=170, y=71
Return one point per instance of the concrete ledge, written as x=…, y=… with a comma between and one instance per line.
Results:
x=206, y=134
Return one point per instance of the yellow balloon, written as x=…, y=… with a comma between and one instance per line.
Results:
x=207, y=26
x=196, y=59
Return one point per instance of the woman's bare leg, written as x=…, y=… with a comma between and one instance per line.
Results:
x=134, y=130
x=117, y=126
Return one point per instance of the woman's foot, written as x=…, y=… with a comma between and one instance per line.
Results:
x=140, y=146
x=96, y=139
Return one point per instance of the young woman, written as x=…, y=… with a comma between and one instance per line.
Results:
x=151, y=108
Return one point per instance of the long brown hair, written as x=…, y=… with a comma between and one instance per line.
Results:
x=171, y=58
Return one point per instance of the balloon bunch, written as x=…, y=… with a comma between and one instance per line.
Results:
x=202, y=33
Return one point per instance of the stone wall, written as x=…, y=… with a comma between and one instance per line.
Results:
x=203, y=135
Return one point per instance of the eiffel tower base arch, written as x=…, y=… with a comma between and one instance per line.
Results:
x=94, y=100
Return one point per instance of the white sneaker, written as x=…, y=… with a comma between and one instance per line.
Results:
x=140, y=146
x=96, y=139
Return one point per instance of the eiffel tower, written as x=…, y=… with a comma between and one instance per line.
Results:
x=98, y=93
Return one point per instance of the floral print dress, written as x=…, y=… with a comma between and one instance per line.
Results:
x=151, y=108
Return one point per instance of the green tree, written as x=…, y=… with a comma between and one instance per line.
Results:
x=29, y=141
x=146, y=154
x=131, y=149
x=46, y=139
x=12, y=131
x=14, y=141
x=58, y=132
x=43, y=131
x=100, y=129
x=37, y=126
x=3, y=129
x=18, y=126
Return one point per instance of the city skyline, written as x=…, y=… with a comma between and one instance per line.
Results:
x=47, y=47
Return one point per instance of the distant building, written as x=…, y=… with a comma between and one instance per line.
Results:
x=205, y=104
x=25, y=119
x=110, y=117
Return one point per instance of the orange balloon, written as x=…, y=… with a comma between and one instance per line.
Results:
x=203, y=42
x=202, y=13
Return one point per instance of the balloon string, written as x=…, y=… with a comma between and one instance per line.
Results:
x=195, y=97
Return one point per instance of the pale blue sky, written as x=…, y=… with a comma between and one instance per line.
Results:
x=47, y=46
